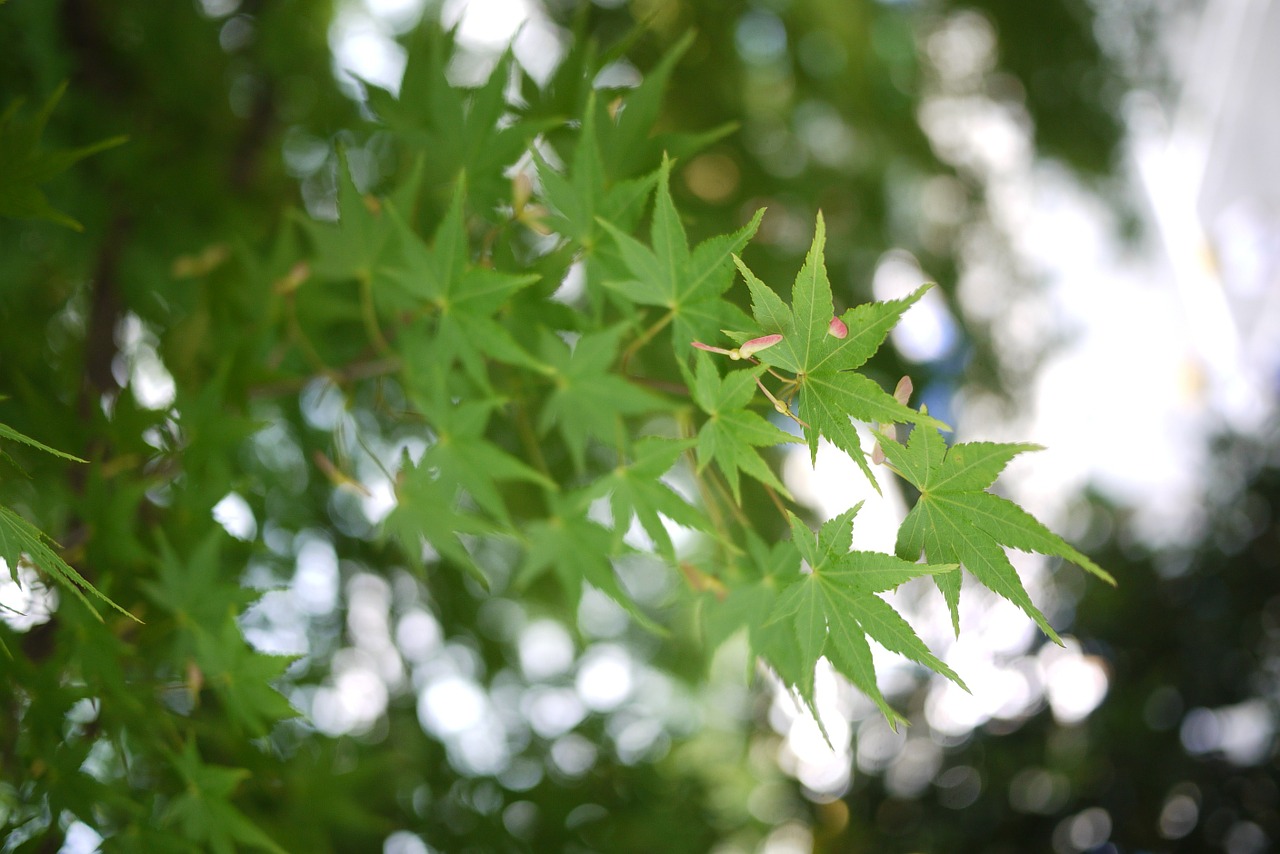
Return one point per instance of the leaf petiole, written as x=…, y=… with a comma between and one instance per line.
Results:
x=645, y=338
x=782, y=408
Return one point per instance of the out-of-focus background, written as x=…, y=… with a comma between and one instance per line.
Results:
x=1095, y=187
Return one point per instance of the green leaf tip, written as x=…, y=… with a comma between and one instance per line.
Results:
x=7, y=432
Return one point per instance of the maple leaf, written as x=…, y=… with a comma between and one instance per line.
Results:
x=461, y=454
x=464, y=297
x=203, y=812
x=193, y=589
x=427, y=508
x=27, y=165
x=241, y=677
x=732, y=432
x=352, y=247
x=204, y=606
x=7, y=432
x=667, y=274
x=589, y=398
x=833, y=608
x=472, y=130
x=19, y=539
x=629, y=142
x=957, y=521
x=636, y=488
x=213, y=427
x=823, y=360
x=579, y=550
x=577, y=198
x=749, y=604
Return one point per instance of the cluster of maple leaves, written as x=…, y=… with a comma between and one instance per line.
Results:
x=609, y=396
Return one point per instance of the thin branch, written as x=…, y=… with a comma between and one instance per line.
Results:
x=341, y=376
x=370, y=316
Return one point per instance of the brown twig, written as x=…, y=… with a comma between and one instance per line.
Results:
x=351, y=373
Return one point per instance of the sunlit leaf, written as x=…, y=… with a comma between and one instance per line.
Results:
x=732, y=432
x=956, y=520
x=687, y=284
x=833, y=608
x=831, y=391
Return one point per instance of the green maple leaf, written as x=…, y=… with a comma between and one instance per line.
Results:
x=203, y=812
x=577, y=197
x=465, y=130
x=464, y=297
x=427, y=508
x=579, y=551
x=732, y=432
x=588, y=399
x=834, y=609
x=241, y=677
x=748, y=604
x=427, y=102
x=629, y=142
x=215, y=428
x=195, y=589
x=20, y=539
x=687, y=284
x=352, y=247
x=461, y=454
x=831, y=390
x=636, y=488
x=7, y=432
x=27, y=165
x=957, y=521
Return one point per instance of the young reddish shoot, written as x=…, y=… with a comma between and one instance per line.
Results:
x=746, y=351
x=902, y=394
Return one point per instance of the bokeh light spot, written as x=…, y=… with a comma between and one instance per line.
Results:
x=545, y=650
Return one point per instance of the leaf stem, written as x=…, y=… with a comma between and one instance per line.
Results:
x=620, y=433
x=646, y=337
x=351, y=373
x=727, y=496
x=367, y=311
x=364, y=446
x=777, y=502
x=782, y=408
x=530, y=439
x=699, y=477
x=304, y=343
